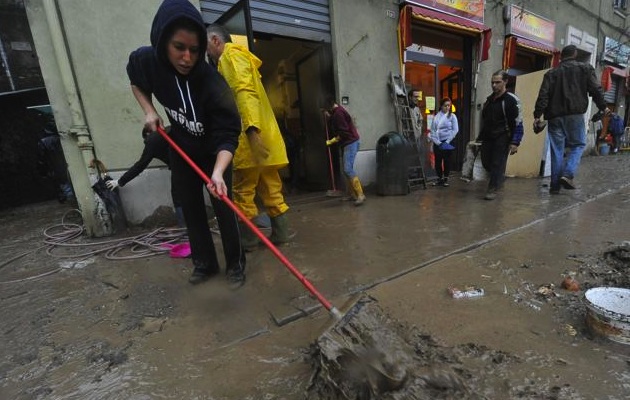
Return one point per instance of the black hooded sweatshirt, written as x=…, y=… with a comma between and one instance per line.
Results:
x=200, y=106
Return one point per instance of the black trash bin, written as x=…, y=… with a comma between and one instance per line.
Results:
x=392, y=164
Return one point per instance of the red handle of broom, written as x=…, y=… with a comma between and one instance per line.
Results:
x=332, y=171
x=307, y=284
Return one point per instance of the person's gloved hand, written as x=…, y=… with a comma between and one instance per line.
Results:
x=112, y=184
x=332, y=141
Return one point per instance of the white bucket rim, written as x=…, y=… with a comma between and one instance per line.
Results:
x=596, y=296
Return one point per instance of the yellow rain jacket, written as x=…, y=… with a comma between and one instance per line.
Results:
x=239, y=67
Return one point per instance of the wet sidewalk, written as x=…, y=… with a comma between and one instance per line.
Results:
x=346, y=249
x=123, y=329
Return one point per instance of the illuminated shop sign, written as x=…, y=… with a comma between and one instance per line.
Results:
x=468, y=9
x=531, y=26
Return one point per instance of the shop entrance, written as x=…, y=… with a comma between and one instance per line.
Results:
x=297, y=76
x=439, y=65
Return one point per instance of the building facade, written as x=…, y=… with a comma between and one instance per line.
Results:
x=310, y=49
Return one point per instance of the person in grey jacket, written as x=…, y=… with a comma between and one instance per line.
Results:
x=563, y=99
x=444, y=128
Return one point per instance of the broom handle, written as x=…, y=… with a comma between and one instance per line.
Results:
x=332, y=171
x=307, y=284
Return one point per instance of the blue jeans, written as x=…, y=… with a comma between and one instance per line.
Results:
x=568, y=132
x=349, y=154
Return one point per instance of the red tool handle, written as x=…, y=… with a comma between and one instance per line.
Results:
x=332, y=171
x=307, y=284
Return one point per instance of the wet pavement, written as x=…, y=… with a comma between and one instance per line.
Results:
x=135, y=329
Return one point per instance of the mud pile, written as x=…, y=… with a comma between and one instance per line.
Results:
x=371, y=356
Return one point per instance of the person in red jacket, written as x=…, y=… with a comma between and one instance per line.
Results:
x=345, y=133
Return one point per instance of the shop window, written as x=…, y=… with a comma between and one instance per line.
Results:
x=620, y=4
x=527, y=61
x=451, y=44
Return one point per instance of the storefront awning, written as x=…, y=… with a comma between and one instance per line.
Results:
x=512, y=42
x=622, y=72
x=534, y=46
x=435, y=17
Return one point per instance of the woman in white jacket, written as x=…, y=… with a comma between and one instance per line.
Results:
x=444, y=128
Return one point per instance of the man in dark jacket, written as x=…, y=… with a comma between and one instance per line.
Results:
x=563, y=99
x=501, y=131
x=204, y=122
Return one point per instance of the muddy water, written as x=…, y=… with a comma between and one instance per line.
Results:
x=135, y=329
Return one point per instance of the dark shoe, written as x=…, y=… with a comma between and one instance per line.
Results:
x=439, y=182
x=567, y=183
x=235, y=277
x=445, y=182
x=554, y=190
x=491, y=194
x=201, y=273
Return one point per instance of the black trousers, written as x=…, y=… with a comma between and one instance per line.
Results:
x=442, y=161
x=190, y=192
x=494, y=156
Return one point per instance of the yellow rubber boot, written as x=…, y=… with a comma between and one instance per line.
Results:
x=350, y=194
x=358, y=191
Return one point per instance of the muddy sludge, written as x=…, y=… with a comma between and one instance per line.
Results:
x=376, y=357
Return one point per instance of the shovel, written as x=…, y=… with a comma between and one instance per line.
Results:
x=356, y=337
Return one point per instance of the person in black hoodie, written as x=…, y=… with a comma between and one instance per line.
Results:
x=204, y=122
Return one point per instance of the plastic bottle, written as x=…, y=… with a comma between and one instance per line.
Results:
x=469, y=292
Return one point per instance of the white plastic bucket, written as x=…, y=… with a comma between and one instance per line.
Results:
x=608, y=313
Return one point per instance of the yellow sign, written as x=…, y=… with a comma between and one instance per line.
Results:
x=430, y=102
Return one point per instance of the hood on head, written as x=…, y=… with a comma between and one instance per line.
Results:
x=256, y=62
x=169, y=11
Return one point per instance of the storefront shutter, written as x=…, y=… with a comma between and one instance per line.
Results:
x=292, y=18
x=610, y=96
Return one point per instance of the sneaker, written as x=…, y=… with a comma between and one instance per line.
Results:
x=201, y=274
x=490, y=196
x=567, y=183
x=235, y=277
x=439, y=182
x=445, y=182
x=360, y=200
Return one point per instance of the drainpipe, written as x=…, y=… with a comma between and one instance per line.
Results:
x=93, y=221
x=5, y=62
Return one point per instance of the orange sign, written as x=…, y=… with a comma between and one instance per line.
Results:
x=530, y=26
x=468, y=9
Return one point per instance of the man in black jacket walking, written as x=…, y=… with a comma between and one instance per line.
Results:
x=563, y=99
x=501, y=131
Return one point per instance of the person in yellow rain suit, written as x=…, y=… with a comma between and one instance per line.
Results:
x=261, y=151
